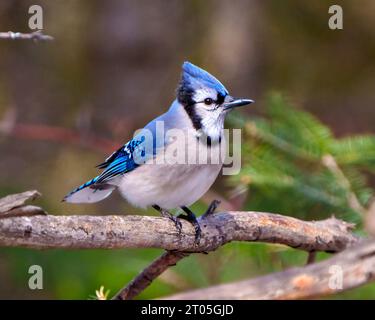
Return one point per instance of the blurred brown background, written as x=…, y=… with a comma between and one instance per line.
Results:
x=115, y=64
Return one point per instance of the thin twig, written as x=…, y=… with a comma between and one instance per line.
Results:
x=58, y=134
x=311, y=257
x=144, y=279
x=353, y=202
x=35, y=36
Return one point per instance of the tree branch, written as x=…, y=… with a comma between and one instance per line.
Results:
x=85, y=232
x=349, y=269
x=88, y=232
x=35, y=36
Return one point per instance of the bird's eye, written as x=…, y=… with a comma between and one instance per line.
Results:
x=208, y=101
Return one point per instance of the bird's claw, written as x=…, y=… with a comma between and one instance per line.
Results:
x=174, y=219
x=211, y=208
x=177, y=224
x=198, y=233
x=195, y=223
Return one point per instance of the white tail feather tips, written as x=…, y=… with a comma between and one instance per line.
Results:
x=89, y=195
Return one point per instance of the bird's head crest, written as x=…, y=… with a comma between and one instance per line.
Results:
x=194, y=78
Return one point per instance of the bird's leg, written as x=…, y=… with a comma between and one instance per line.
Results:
x=190, y=216
x=211, y=209
x=166, y=214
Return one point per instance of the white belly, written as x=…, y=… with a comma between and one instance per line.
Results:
x=168, y=186
x=171, y=185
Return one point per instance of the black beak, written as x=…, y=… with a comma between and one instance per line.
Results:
x=236, y=102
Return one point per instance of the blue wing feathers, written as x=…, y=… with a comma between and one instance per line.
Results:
x=119, y=162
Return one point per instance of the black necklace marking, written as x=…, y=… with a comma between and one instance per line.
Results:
x=209, y=141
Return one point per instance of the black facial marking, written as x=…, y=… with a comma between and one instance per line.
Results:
x=185, y=97
x=185, y=94
x=195, y=118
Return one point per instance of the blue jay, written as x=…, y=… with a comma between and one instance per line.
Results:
x=198, y=111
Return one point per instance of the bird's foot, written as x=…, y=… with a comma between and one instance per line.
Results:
x=175, y=220
x=211, y=209
x=166, y=214
x=190, y=216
